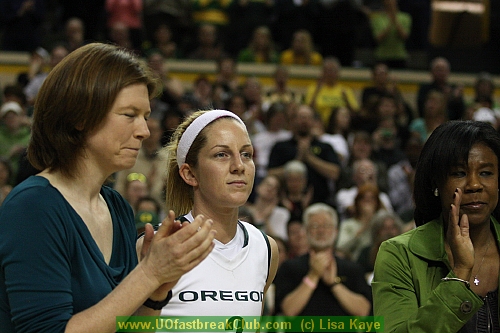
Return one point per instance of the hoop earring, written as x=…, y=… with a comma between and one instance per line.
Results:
x=436, y=192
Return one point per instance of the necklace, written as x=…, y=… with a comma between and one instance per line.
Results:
x=476, y=280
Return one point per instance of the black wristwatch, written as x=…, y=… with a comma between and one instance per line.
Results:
x=158, y=305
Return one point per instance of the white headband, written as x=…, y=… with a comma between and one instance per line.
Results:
x=195, y=128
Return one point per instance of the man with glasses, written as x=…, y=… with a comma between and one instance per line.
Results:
x=320, y=283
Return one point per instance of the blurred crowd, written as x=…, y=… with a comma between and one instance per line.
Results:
x=324, y=145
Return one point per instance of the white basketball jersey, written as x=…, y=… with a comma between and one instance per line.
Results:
x=220, y=286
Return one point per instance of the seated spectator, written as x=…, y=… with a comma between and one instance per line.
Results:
x=172, y=89
x=297, y=239
x=364, y=172
x=297, y=194
x=384, y=225
x=208, y=46
x=227, y=74
x=147, y=175
x=275, y=123
x=328, y=93
x=484, y=93
x=127, y=15
x=361, y=147
x=57, y=53
x=280, y=92
x=268, y=216
x=260, y=49
x=136, y=187
x=163, y=41
x=387, y=143
x=400, y=177
x=301, y=51
x=74, y=33
x=147, y=210
x=384, y=84
x=200, y=97
x=453, y=94
x=323, y=164
x=238, y=104
x=319, y=283
x=336, y=133
x=119, y=34
x=434, y=114
x=354, y=232
x=15, y=133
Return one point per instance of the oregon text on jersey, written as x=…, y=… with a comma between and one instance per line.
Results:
x=221, y=295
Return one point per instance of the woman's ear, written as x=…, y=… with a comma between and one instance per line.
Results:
x=188, y=175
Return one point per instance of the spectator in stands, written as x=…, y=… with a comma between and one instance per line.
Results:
x=57, y=53
x=149, y=164
x=14, y=133
x=201, y=95
x=361, y=147
x=336, y=133
x=172, y=88
x=245, y=17
x=297, y=239
x=328, y=93
x=391, y=28
x=484, y=91
x=400, y=178
x=440, y=72
x=301, y=51
x=297, y=194
x=14, y=93
x=147, y=210
x=208, y=44
x=176, y=13
x=163, y=41
x=260, y=49
x=320, y=282
x=383, y=226
x=22, y=24
x=74, y=33
x=268, y=215
x=275, y=122
x=434, y=115
x=119, y=34
x=291, y=16
x=383, y=83
x=213, y=13
x=281, y=92
x=364, y=172
x=387, y=143
x=322, y=162
x=128, y=13
x=227, y=74
x=354, y=232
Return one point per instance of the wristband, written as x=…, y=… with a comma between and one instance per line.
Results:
x=308, y=282
x=158, y=305
x=445, y=279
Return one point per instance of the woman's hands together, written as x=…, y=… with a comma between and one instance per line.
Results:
x=174, y=250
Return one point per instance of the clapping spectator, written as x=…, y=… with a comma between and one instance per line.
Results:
x=391, y=28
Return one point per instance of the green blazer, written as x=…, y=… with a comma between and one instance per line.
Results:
x=407, y=288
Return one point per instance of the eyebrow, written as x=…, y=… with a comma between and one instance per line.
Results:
x=226, y=146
